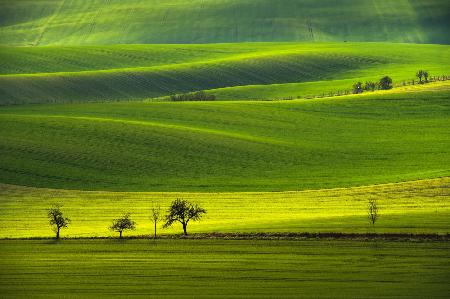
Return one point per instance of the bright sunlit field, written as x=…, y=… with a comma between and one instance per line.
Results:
x=412, y=207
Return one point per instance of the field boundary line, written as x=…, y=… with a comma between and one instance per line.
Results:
x=400, y=237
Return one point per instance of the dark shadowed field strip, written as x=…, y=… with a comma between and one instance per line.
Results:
x=224, y=268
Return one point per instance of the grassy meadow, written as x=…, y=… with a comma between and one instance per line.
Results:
x=87, y=123
x=411, y=207
x=223, y=268
x=58, y=74
x=61, y=22
x=229, y=146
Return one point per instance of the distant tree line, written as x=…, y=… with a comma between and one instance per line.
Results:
x=193, y=96
x=425, y=77
x=385, y=83
x=180, y=210
x=422, y=74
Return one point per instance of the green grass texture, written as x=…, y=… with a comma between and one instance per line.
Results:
x=411, y=207
x=230, y=71
x=343, y=141
x=63, y=22
x=223, y=269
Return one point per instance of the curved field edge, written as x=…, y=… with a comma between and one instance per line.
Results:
x=228, y=146
x=409, y=207
x=96, y=75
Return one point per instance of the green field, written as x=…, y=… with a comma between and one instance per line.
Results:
x=205, y=269
x=238, y=71
x=87, y=123
x=29, y=22
x=229, y=146
x=412, y=207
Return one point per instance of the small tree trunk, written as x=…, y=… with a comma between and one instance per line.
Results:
x=154, y=236
x=184, y=229
x=120, y=235
x=57, y=233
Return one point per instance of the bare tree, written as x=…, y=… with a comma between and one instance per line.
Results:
x=57, y=219
x=419, y=75
x=155, y=216
x=183, y=211
x=425, y=75
x=123, y=223
x=372, y=211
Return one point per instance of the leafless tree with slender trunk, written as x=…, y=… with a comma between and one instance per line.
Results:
x=155, y=216
x=373, y=211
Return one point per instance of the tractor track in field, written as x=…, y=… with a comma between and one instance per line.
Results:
x=45, y=26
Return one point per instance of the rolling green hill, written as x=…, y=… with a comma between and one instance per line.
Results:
x=87, y=124
x=229, y=146
x=62, y=22
x=136, y=72
x=410, y=207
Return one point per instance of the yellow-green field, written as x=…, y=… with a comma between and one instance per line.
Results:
x=411, y=207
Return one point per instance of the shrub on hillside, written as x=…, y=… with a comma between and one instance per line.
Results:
x=357, y=88
x=385, y=83
x=193, y=96
x=370, y=86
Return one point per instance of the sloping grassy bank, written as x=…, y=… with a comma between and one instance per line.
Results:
x=419, y=207
x=230, y=71
x=229, y=146
x=60, y=22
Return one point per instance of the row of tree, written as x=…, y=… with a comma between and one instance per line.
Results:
x=180, y=210
x=193, y=96
x=422, y=74
x=385, y=83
